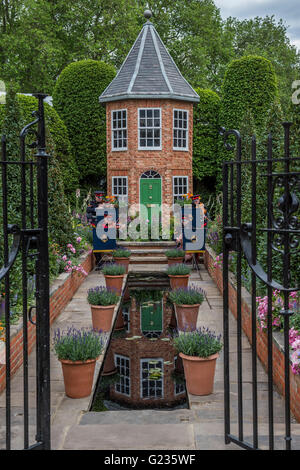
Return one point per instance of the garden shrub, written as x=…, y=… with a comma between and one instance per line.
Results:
x=249, y=86
x=12, y=119
x=76, y=99
x=205, y=138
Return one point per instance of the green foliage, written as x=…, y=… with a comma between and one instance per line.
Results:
x=76, y=99
x=175, y=253
x=102, y=296
x=121, y=253
x=268, y=38
x=77, y=345
x=143, y=296
x=112, y=269
x=205, y=137
x=188, y=296
x=250, y=84
x=249, y=88
x=178, y=270
x=198, y=343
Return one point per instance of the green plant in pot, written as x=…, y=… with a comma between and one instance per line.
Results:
x=78, y=350
x=187, y=302
x=114, y=275
x=122, y=256
x=175, y=256
x=199, y=350
x=179, y=275
x=102, y=302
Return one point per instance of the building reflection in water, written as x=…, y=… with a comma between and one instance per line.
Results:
x=141, y=368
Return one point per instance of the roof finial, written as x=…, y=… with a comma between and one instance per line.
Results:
x=147, y=14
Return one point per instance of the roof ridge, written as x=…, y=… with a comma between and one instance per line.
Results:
x=139, y=57
x=163, y=71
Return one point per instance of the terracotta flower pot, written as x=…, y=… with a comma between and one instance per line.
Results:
x=102, y=316
x=179, y=281
x=114, y=283
x=78, y=377
x=124, y=261
x=199, y=373
x=187, y=316
x=175, y=260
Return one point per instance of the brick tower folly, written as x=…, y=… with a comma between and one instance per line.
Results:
x=149, y=113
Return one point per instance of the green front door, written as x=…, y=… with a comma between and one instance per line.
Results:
x=151, y=318
x=150, y=196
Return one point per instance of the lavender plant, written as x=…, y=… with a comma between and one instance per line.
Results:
x=175, y=253
x=187, y=296
x=113, y=269
x=101, y=296
x=178, y=270
x=121, y=253
x=200, y=342
x=77, y=345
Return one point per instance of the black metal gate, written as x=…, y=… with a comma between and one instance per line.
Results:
x=259, y=249
x=25, y=247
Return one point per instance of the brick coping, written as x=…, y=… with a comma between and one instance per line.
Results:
x=278, y=337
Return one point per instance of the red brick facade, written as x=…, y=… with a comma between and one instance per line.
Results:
x=144, y=348
x=134, y=162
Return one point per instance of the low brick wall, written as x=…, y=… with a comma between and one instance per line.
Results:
x=262, y=341
x=61, y=292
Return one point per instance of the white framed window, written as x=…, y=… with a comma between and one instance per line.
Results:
x=152, y=382
x=180, y=186
x=149, y=124
x=123, y=367
x=180, y=129
x=119, y=129
x=120, y=187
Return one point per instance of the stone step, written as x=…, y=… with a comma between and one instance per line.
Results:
x=173, y=416
x=148, y=252
x=164, y=245
x=124, y=436
x=148, y=260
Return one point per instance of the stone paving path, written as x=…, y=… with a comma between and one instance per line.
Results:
x=200, y=427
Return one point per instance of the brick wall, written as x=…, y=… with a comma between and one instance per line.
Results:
x=61, y=292
x=133, y=162
x=262, y=342
x=145, y=348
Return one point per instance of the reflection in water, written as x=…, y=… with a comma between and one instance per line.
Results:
x=141, y=368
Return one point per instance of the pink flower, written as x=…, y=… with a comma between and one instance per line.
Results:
x=78, y=239
x=64, y=258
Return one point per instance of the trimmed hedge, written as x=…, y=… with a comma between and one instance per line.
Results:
x=249, y=88
x=58, y=133
x=76, y=98
x=250, y=84
x=206, y=117
x=61, y=142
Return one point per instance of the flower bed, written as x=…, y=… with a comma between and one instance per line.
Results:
x=61, y=292
x=215, y=270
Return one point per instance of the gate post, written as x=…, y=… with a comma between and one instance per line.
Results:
x=42, y=294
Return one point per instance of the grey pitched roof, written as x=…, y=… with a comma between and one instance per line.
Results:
x=149, y=72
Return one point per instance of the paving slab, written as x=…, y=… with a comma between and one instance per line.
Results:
x=130, y=437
